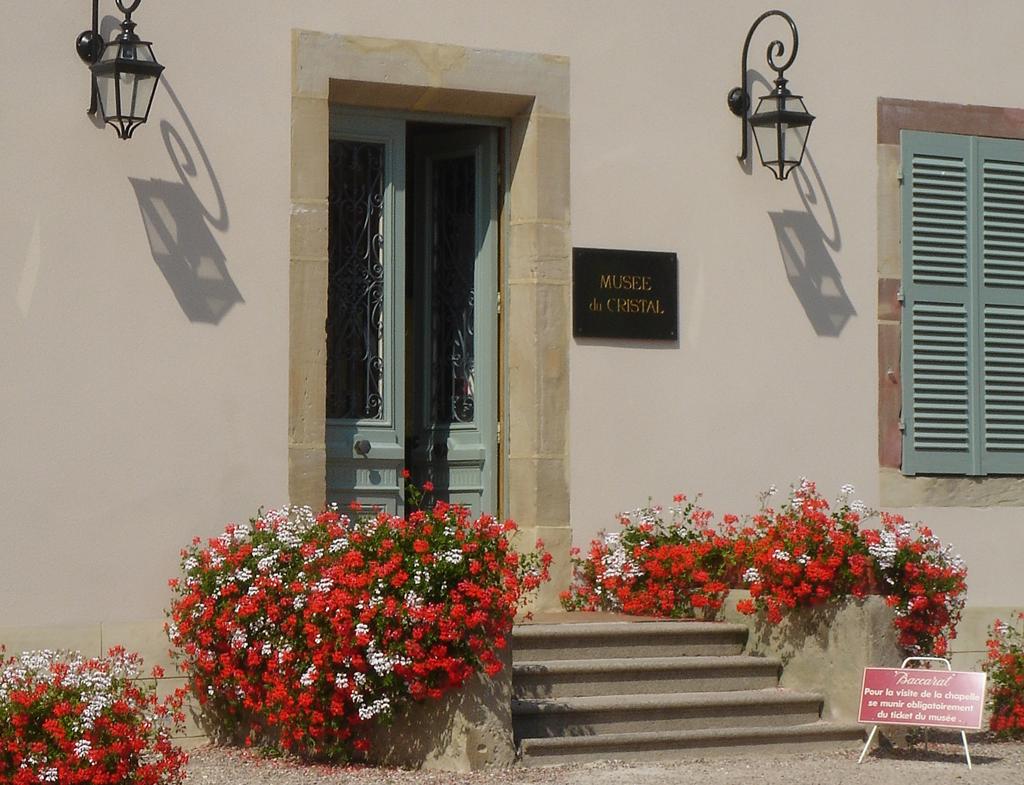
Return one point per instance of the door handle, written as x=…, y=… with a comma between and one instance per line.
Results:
x=362, y=447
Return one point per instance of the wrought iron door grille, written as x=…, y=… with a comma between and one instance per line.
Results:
x=355, y=300
x=453, y=255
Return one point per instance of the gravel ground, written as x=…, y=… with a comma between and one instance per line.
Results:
x=995, y=763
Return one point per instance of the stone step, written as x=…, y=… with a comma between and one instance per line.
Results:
x=536, y=642
x=546, y=717
x=642, y=676
x=682, y=744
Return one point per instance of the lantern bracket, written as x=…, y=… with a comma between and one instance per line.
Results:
x=91, y=47
x=90, y=43
x=739, y=97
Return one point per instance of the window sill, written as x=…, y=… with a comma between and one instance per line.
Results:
x=899, y=490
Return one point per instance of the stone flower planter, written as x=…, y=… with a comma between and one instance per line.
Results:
x=467, y=730
x=825, y=649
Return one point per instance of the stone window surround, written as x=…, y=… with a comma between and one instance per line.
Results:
x=529, y=92
x=896, y=489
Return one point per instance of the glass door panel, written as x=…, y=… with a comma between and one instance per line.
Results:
x=365, y=316
x=453, y=419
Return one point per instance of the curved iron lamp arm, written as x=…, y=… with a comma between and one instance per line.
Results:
x=739, y=98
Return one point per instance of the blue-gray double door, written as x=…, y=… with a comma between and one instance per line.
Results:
x=412, y=325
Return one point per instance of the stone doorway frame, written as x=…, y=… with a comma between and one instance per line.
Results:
x=531, y=93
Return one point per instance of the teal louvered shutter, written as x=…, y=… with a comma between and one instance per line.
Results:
x=939, y=396
x=1001, y=304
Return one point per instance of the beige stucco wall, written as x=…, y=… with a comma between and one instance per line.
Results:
x=139, y=407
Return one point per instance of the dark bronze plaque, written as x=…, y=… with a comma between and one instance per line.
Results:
x=624, y=294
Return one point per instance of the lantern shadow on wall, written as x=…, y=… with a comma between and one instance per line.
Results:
x=806, y=243
x=178, y=225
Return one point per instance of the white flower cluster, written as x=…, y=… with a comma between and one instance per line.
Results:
x=857, y=506
x=340, y=544
x=239, y=640
x=650, y=515
x=884, y=552
x=366, y=710
x=781, y=555
x=383, y=663
x=617, y=561
x=323, y=586
x=796, y=499
x=235, y=534
x=309, y=677
x=369, y=710
x=290, y=536
x=452, y=556
x=752, y=575
x=766, y=494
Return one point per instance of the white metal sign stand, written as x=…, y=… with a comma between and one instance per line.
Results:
x=874, y=728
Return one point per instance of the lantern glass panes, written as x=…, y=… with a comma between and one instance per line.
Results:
x=781, y=124
x=126, y=78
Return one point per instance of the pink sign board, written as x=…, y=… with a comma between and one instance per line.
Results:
x=931, y=698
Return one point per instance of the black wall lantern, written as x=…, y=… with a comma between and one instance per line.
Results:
x=125, y=72
x=781, y=121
